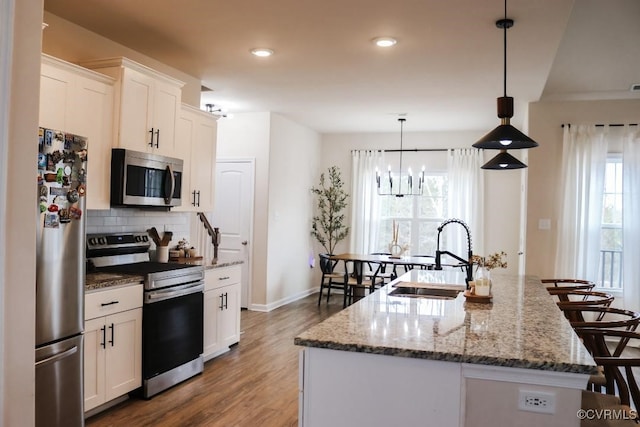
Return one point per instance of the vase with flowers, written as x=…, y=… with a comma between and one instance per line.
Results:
x=484, y=265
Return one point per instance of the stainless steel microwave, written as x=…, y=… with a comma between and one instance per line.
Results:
x=145, y=180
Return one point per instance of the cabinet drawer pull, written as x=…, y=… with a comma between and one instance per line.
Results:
x=104, y=304
x=224, y=278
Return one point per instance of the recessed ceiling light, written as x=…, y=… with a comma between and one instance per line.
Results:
x=262, y=52
x=385, y=41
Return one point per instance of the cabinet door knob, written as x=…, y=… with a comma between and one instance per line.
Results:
x=244, y=243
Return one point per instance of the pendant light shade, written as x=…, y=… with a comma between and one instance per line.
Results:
x=504, y=161
x=505, y=136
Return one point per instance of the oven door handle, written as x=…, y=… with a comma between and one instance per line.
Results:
x=174, y=292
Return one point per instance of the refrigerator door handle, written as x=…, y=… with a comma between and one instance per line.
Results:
x=57, y=357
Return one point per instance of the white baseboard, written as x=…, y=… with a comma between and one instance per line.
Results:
x=284, y=301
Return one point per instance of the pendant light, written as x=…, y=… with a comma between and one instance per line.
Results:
x=410, y=188
x=505, y=136
x=502, y=161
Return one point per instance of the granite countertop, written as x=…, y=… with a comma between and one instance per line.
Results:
x=522, y=328
x=97, y=281
x=225, y=261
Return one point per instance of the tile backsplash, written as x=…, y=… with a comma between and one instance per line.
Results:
x=118, y=220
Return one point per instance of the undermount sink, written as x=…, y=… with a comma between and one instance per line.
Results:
x=438, y=293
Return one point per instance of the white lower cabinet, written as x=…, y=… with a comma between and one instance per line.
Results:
x=112, y=344
x=221, y=310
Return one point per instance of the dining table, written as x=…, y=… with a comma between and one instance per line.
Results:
x=381, y=260
x=378, y=263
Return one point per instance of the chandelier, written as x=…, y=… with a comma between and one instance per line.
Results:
x=505, y=136
x=403, y=185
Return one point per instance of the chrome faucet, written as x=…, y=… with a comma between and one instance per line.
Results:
x=465, y=262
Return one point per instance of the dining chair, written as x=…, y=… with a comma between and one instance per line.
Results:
x=356, y=282
x=331, y=278
x=424, y=265
x=381, y=270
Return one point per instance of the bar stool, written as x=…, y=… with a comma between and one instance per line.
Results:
x=569, y=284
x=569, y=298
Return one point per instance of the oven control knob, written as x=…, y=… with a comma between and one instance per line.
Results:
x=92, y=241
x=137, y=239
x=145, y=238
x=102, y=241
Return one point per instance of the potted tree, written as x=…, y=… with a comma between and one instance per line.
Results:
x=328, y=224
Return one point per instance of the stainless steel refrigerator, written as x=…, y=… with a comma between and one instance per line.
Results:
x=62, y=173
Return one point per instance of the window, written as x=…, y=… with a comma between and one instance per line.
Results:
x=610, y=271
x=417, y=217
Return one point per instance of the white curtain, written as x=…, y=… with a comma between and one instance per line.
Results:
x=584, y=157
x=365, y=216
x=466, y=198
x=631, y=218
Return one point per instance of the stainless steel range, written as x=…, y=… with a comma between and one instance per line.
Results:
x=172, y=315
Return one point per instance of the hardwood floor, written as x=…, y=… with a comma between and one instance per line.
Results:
x=256, y=383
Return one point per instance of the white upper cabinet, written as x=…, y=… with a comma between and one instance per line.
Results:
x=147, y=106
x=196, y=136
x=80, y=101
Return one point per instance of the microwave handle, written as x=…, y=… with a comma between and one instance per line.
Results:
x=170, y=183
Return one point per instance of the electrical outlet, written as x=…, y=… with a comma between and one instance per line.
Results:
x=537, y=401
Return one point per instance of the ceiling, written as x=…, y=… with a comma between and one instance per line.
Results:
x=445, y=72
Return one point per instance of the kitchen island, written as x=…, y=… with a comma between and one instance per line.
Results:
x=421, y=361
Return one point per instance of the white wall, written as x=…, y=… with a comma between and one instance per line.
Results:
x=545, y=120
x=18, y=148
x=292, y=172
x=247, y=136
x=286, y=156
x=502, y=188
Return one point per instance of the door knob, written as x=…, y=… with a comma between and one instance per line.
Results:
x=244, y=243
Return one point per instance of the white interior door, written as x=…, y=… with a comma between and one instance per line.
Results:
x=234, y=215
